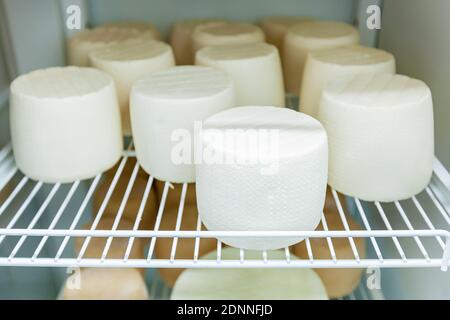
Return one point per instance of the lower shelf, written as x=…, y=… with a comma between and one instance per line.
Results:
x=38, y=223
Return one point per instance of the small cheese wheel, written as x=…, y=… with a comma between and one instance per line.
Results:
x=248, y=284
x=306, y=37
x=338, y=282
x=164, y=109
x=275, y=28
x=226, y=33
x=141, y=26
x=82, y=43
x=185, y=246
x=65, y=124
x=129, y=61
x=118, y=246
x=255, y=69
x=181, y=38
x=268, y=171
x=105, y=284
x=381, y=134
x=330, y=64
x=133, y=204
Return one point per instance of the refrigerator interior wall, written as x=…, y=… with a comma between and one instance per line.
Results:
x=417, y=33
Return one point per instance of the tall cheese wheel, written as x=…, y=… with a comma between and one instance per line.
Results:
x=141, y=26
x=303, y=38
x=185, y=246
x=65, y=124
x=381, y=139
x=105, y=284
x=81, y=44
x=329, y=64
x=248, y=284
x=118, y=246
x=255, y=69
x=164, y=109
x=181, y=38
x=264, y=168
x=275, y=28
x=133, y=203
x=129, y=61
x=338, y=282
x=225, y=34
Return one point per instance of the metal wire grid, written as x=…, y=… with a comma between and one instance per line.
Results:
x=431, y=244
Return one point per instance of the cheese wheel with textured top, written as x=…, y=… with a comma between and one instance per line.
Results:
x=129, y=61
x=255, y=69
x=225, y=34
x=65, y=124
x=264, y=168
x=249, y=284
x=181, y=38
x=164, y=109
x=381, y=137
x=329, y=64
x=303, y=38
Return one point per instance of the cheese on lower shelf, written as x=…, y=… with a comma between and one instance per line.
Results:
x=338, y=282
x=141, y=26
x=381, y=137
x=248, y=284
x=105, y=284
x=255, y=69
x=129, y=61
x=181, y=38
x=303, y=38
x=82, y=43
x=264, y=168
x=185, y=248
x=275, y=28
x=65, y=124
x=164, y=109
x=330, y=64
x=226, y=33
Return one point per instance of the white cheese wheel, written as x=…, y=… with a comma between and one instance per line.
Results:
x=226, y=33
x=248, y=284
x=255, y=69
x=185, y=246
x=181, y=38
x=164, y=109
x=105, y=284
x=129, y=61
x=275, y=28
x=65, y=124
x=268, y=171
x=141, y=26
x=306, y=37
x=82, y=43
x=381, y=139
x=338, y=282
x=329, y=64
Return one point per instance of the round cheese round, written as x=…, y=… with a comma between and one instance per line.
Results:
x=65, y=124
x=263, y=168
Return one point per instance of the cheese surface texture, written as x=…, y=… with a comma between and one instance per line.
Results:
x=254, y=68
x=129, y=61
x=248, y=284
x=381, y=137
x=164, y=108
x=330, y=64
x=65, y=123
x=338, y=282
x=181, y=38
x=303, y=38
x=265, y=168
x=141, y=26
x=225, y=34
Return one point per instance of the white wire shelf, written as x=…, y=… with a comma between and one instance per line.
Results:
x=38, y=222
